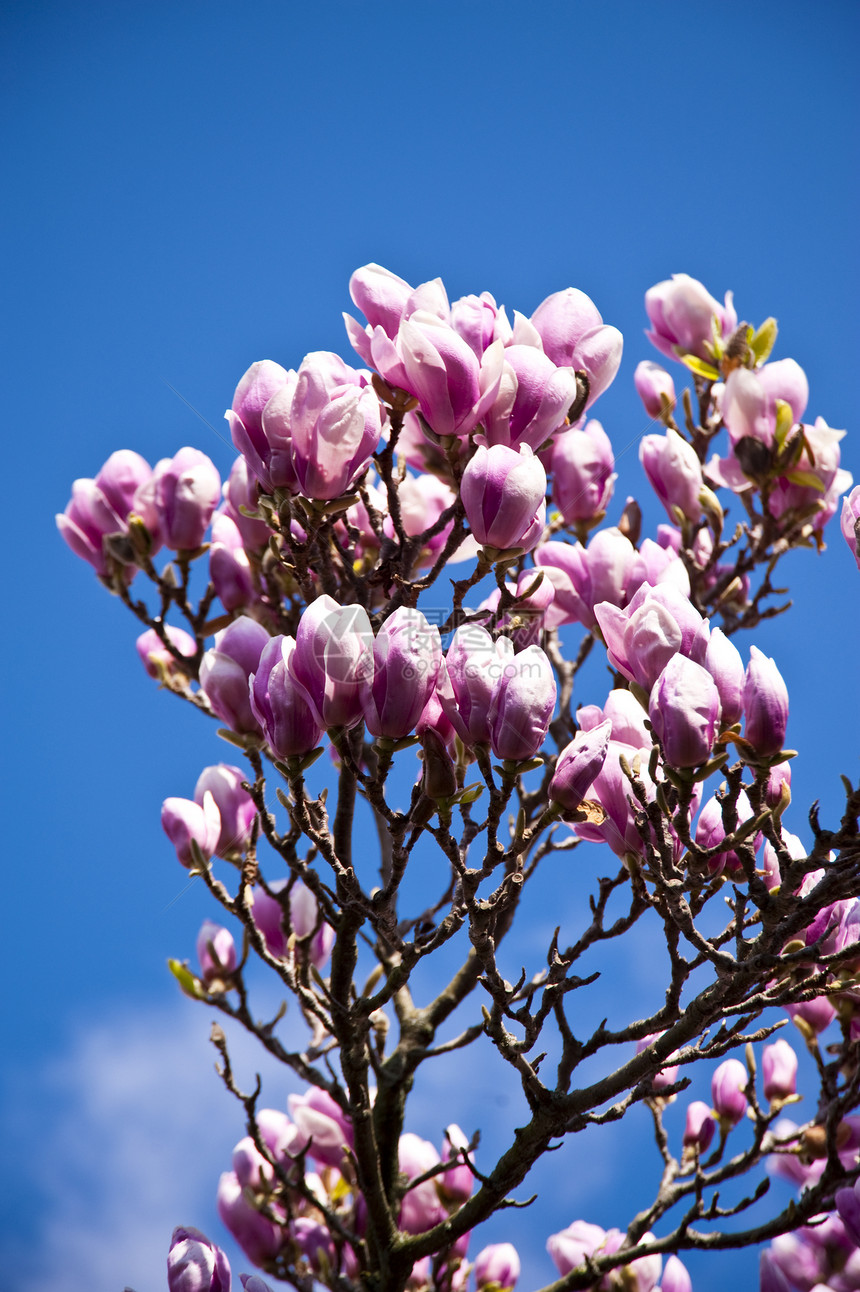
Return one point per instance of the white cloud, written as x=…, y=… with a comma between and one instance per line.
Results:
x=123, y=1137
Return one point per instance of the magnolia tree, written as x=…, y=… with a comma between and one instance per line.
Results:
x=298, y=606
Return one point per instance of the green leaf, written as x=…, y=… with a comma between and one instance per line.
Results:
x=186, y=979
x=763, y=342
x=784, y=421
x=699, y=367
x=469, y=794
x=806, y=478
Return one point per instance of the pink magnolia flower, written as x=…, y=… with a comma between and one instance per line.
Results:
x=652, y=383
x=582, y=473
x=334, y=425
x=504, y=494
x=682, y=312
x=264, y=441
x=185, y=491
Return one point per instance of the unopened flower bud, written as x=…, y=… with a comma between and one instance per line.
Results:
x=522, y=705
x=498, y=1264
x=765, y=704
x=185, y=491
x=654, y=386
x=578, y=765
x=195, y=1264
x=727, y=1091
x=779, y=1068
x=186, y=823
x=699, y=1128
x=156, y=658
x=216, y=952
x=503, y=491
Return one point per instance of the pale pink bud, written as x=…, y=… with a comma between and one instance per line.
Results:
x=666, y=1076
x=699, y=1127
x=582, y=472
x=235, y=805
x=380, y=295
x=216, y=951
x=421, y=1207
x=652, y=383
x=335, y=426
x=497, y=1264
x=456, y=1183
x=675, y=1277
x=226, y=669
x=522, y=705
x=765, y=704
x=407, y=655
x=727, y=1091
x=185, y=493
x=851, y=522
x=569, y=1248
x=657, y=624
x=154, y=655
x=682, y=311
x=673, y=468
x=817, y=1014
x=266, y=450
x=503, y=492
x=333, y=660
x=533, y=400
x=779, y=1068
x=443, y=372
x=102, y=506
x=186, y=823
x=229, y=567
x=241, y=491
x=723, y=662
x=195, y=1264
x=685, y=712
x=467, y=681
x=259, y=1238
x=280, y=703
x=578, y=765
x=584, y=577
x=326, y=1129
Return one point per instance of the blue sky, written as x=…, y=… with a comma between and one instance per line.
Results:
x=189, y=187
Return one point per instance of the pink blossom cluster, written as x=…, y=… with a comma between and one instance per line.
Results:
x=468, y=439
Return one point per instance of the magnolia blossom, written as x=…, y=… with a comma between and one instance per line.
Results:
x=503, y=492
x=683, y=314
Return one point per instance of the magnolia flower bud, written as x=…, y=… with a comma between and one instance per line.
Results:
x=578, y=765
x=407, y=655
x=185, y=492
x=499, y=1265
x=727, y=1091
x=503, y=492
x=682, y=311
x=674, y=471
x=186, y=823
x=685, y=712
x=156, y=658
x=699, y=1128
x=779, y=1068
x=227, y=668
x=653, y=383
x=522, y=705
x=582, y=472
x=195, y=1264
x=216, y=951
x=333, y=661
x=765, y=704
x=235, y=805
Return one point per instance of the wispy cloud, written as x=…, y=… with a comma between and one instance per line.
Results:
x=117, y=1141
